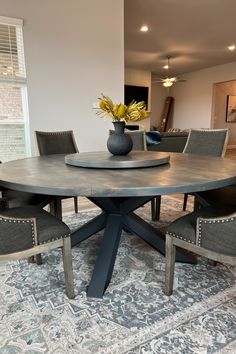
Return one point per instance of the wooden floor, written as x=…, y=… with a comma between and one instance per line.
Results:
x=231, y=153
x=83, y=205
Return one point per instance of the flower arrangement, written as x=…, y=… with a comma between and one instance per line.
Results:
x=134, y=111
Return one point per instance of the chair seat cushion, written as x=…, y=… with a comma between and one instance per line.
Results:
x=185, y=227
x=221, y=196
x=16, y=198
x=49, y=228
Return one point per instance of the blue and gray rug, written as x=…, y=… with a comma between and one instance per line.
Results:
x=134, y=317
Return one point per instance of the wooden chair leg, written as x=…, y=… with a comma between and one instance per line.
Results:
x=38, y=259
x=170, y=265
x=156, y=208
x=196, y=205
x=56, y=208
x=76, y=204
x=67, y=263
x=35, y=259
x=185, y=201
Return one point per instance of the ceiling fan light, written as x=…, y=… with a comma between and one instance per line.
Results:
x=231, y=47
x=168, y=83
x=144, y=28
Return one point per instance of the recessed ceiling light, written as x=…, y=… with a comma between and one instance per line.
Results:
x=231, y=47
x=144, y=28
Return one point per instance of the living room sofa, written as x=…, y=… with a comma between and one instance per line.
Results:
x=170, y=141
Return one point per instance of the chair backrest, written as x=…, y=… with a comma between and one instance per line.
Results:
x=139, y=139
x=207, y=142
x=132, y=126
x=62, y=142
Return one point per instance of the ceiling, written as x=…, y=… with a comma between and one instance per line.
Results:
x=195, y=33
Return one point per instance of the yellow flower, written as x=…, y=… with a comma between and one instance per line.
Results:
x=143, y=113
x=103, y=105
x=120, y=112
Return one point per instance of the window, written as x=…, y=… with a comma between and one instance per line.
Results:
x=13, y=99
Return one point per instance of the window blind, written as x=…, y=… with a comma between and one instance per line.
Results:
x=12, y=62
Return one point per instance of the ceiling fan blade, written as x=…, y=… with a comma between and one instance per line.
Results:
x=158, y=81
x=168, y=80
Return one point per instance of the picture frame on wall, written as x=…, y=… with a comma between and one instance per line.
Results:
x=231, y=109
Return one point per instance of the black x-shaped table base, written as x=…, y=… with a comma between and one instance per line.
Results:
x=117, y=215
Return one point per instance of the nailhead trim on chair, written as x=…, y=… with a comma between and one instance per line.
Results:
x=200, y=232
x=213, y=221
x=179, y=237
x=54, y=239
x=56, y=133
x=32, y=231
x=22, y=222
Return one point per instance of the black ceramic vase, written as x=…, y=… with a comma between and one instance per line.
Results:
x=119, y=143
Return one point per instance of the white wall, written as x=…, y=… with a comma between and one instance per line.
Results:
x=193, y=98
x=74, y=52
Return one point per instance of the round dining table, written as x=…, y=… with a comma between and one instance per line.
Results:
x=118, y=192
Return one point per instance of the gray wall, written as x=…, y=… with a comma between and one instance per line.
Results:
x=74, y=52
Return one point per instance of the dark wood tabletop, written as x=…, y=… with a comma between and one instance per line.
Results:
x=184, y=173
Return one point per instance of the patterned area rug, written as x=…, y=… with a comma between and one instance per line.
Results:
x=134, y=317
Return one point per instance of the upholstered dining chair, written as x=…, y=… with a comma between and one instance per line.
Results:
x=139, y=139
x=209, y=232
x=225, y=196
x=27, y=231
x=202, y=142
x=206, y=142
x=57, y=142
x=17, y=198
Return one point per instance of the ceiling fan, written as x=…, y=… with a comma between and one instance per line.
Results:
x=168, y=80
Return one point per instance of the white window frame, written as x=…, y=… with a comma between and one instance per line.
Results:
x=23, y=85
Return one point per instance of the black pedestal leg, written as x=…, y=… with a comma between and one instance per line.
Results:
x=106, y=258
x=90, y=228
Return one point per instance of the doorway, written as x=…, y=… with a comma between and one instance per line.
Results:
x=223, y=93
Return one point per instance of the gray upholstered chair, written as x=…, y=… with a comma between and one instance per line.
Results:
x=225, y=196
x=201, y=142
x=27, y=231
x=206, y=142
x=16, y=198
x=209, y=232
x=139, y=139
x=61, y=142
